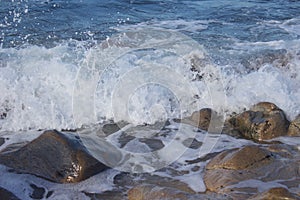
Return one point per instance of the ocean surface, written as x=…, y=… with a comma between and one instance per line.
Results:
x=79, y=63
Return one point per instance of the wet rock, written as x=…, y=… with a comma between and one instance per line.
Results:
x=251, y=166
x=128, y=179
x=154, y=192
x=153, y=144
x=124, y=139
x=202, y=119
x=54, y=156
x=2, y=140
x=276, y=193
x=111, y=195
x=7, y=195
x=294, y=128
x=192, y=143
x=38, y=192
x=236, y=159
x=278, y=58
x=262, y=122
x=113, y=127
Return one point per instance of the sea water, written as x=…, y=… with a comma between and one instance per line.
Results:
x=74, y=64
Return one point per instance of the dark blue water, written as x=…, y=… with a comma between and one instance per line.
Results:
x=49, y=22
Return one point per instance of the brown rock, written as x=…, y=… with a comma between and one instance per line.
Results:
x=54, y=156
x=7, y=195
x=151, y=192
x=203, y=118
x=276, y=194
x=262, y=122
x=294, y=128
x=230, y=167
x=247, y=157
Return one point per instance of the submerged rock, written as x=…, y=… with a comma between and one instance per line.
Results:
x=7, y=195
x=54, y=156
x=262, y=122
x=2, y=140
x=294, y=128
x=111, y=195
x=38, y=192
x=204, y=119
x=241, y=172
x=192, y=143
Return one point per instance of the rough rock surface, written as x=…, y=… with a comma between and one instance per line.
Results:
x=54, y=156
x=262, y=122
x=154, y=192
x=274, y=194
x=242, y=171
x=7, y=195
x=294, y=128
x=237, y=159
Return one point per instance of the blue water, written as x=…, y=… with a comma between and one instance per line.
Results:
x=48, y=22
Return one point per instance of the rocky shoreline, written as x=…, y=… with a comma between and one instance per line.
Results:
x=233, y=173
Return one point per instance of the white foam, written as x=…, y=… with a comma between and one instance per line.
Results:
x=19, y=184
x=141, y=77
x=179, y=25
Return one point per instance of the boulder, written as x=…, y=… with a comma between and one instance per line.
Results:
x=244, y=170
x=262, y=122
x=294, y=128
x=54, y=156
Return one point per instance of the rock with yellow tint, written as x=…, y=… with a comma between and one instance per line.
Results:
x=151, y=192
x=263, y=121
x=205, y=119
x=154, y=192
x=294, y=128
x=276, y=194
x=244, y=170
